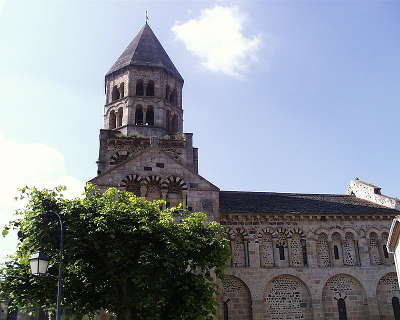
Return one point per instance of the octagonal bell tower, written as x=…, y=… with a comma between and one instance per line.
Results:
x=144, y=90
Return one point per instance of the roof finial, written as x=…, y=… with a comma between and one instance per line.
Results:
x=147, y=17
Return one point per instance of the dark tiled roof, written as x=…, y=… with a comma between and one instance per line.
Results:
x=296, y=203
x=145, y=50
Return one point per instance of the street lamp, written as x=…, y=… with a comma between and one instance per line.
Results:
x=39, y=263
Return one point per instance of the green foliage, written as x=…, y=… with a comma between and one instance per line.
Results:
x=122, y=253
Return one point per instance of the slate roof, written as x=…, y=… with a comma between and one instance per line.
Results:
x=145, y=50
x=237, y=202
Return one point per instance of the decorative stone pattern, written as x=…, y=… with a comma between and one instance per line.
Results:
x=343, y=286
x=323, y=251
x=266, y=251
x=287, y=298
x=387, y=289
x=237, y=297
x=349, y=251
x=238, y=252
x=296, y=251
x=374, y=252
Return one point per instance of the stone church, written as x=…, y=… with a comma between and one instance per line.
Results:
x=294, y=256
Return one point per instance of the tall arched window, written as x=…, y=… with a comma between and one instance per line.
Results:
x=342, y=309
x=174, y=124
x=150, y=116
x=115, y=93
x=150, y=89
x=396, y=308
x=122, y=90
x=112, y=120
x=120, y=115
x=226, y=310
x=139, y=115
x=337, y=249
x=139, y=88
x=336, y=252
x=281, y=252
x=167, y=92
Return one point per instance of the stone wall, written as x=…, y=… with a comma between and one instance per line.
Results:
x=291, y=270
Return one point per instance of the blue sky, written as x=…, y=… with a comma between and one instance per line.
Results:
x=285, y=96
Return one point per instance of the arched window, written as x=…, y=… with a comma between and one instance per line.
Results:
x=139, y=88
x=337, y=249
x=112, y=120
x=281, y=253
x=167, y=92
x=336, y=252
x=342, y=309
x=115, y=93
x=150, y=116
x=122, y=90
x=168, y=120
x=150, y=89
x=139, y=116
x=396, y=308
x=120, y=115
x=226, y=310
x=174, y=124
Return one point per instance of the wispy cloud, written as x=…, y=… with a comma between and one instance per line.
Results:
x=2, y=3
x=217, y=38
x=33, y=165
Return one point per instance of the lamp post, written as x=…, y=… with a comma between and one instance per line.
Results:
x=39, y=263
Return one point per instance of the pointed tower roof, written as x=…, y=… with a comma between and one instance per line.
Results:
x=145, y=50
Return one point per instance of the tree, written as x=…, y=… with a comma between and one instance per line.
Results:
x=122, y=253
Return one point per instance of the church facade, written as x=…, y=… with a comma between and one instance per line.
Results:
x=294, y=256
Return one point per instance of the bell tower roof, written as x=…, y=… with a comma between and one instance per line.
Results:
x=145, y=50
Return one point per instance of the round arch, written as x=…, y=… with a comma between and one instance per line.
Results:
x=287, y=298
x=344, y=294
x=236, y=299
x=387, y=289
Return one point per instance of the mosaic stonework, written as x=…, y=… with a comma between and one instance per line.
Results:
x=287, y=298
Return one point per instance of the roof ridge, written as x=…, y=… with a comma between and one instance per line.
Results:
x=289, y=193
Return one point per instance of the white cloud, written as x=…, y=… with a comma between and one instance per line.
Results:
x=216, y=37
x=33, y=165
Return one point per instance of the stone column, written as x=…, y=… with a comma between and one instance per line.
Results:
x=312, y=254
x=373, y=309
x=317, y=308
x=364, y=252
x=258, y=309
